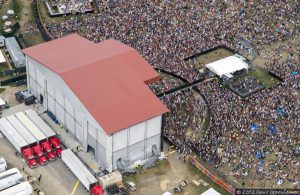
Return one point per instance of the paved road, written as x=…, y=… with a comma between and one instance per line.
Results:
x=56, y=178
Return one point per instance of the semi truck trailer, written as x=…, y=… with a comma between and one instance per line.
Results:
x=20, y=189
x=9, y=178
x=3, y=165
x=12, y=135
x=81, y=172
x=33, y=116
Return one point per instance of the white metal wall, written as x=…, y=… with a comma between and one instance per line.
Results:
x=135, y=143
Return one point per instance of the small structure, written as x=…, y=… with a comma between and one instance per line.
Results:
x=5, y=17
x=2, y=41
x=10, y=12
x=228, y=65
x=15, y=52
x=211, y=191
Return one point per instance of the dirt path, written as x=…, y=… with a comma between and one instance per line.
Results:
x=9, y=94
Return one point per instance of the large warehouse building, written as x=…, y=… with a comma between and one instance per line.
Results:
x=99, y=92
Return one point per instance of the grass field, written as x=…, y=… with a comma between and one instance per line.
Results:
x=267, y=79
x=2, y=90
x=4, y=67
x=33, y=39
x=212, y=56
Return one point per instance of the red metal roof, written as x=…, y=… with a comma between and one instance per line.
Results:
x=109, y=78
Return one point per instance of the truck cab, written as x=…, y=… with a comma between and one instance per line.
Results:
x=37, y=150
x=58, y=152
x=32, y=163
x=47, y=148
x=97, y=190
x=43, y=160
x=55, y=142
x=27, y=154
x=29, y=157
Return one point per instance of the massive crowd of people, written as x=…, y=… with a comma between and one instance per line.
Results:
x=165, y=32
x=255, y=137
x=165, y=84
x=266, y=123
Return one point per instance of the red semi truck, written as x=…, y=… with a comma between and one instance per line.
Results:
x=56, y=144
x=38, y=152
x=29, y=157
x=48, y=150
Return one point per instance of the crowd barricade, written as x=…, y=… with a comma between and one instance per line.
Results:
x=223, y=184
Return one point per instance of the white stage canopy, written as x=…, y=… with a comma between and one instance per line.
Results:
x=2, y=58
x=210, y=191
x=228, y=65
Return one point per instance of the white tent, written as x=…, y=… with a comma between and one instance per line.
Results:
x=2, y=58
x=228, y=65
x=210, y=191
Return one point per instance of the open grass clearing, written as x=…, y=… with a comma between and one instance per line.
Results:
x=210, y=57
x=2, y=90
x=33, y=39
x=263, y=75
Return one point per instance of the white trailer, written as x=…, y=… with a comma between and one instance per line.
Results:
x=20, y=189
x=40, y=123
x=3, y=165
x=12, y=135
x=9, y=178
x=30, y=126
x=78, y=168
x=28, y=137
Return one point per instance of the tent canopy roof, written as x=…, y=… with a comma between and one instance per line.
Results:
x=227, y=65
x=211, y=191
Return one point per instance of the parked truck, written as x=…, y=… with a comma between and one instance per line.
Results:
x=12, y=135
x=56, y=144
x=48, y=150
x=15, y=125
x=38, y=152
x=29, y=157
x=20, y=189
x=17, y=141
x=3, y=165
x=9, y=178
x=81, y=172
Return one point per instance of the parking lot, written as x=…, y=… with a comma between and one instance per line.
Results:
x=55, y=177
